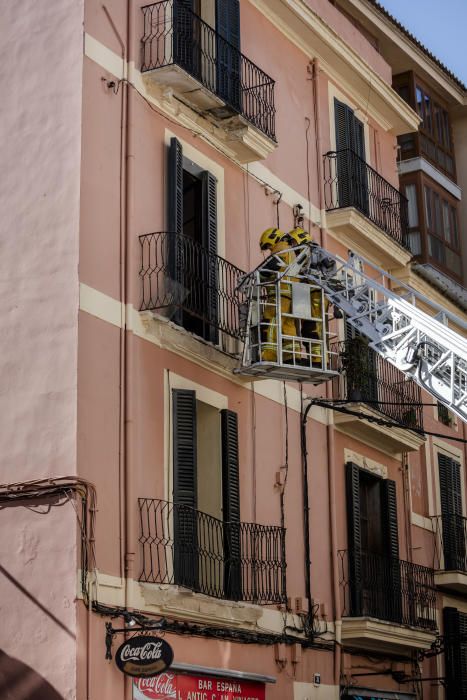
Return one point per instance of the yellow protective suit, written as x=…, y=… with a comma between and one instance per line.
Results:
x=269, y=349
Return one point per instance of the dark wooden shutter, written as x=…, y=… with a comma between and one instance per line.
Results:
x=228, y=52
x=354, y=537
x=455, y=644
x=210, y=270
x=174, y=243
x=175, y=187
x=343, y=124
x=185, y=487
x=391, y=569
x=351, y=171
x=231, y=505
x=389, y=513
x=454, y=545
x=184, y=33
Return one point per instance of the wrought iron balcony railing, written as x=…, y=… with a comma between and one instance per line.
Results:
x=450, y=542
x=229, y=560
x=174, y=35
x=350, y=182
x=196, y=288
x=388, y=589
x=365, y=376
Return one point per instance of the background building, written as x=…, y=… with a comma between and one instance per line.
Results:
x=177, y=131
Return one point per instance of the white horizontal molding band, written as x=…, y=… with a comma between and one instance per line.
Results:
x=111, y=311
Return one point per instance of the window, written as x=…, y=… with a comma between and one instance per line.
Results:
x=373, y=545
x=212, y=58
x=435, y=131
x=413, y=219
x=442, y=229
x=206, y=494
x=192, y=222
x=453, y=532
x=351, y=161
x=455, y=644
x=444, y=415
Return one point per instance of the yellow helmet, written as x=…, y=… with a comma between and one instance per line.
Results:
x=270, y=237
x=299, y=236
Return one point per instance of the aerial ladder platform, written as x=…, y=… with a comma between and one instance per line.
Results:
x=290, y=333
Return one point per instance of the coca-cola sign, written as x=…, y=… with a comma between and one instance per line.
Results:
x=176, y=686
x=144, y=657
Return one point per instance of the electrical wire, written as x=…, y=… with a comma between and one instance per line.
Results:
x=198, y=630
x=272, y=188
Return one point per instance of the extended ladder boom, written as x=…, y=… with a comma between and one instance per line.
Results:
x=423, y=347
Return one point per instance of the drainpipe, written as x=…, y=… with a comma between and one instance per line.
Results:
x=129, y=501
x=329, y=428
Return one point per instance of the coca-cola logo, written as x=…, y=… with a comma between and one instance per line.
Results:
x=144, y=657
x=162, y=687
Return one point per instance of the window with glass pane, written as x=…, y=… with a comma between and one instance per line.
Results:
x=428, y=215
x=419, y=100
x=411, y=194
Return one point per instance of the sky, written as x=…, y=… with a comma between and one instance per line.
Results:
x=440, y=26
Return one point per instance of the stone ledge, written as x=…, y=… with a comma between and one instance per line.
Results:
x=354, y=230
x=370, y=634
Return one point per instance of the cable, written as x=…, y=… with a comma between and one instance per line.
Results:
x=70, y=488
x=225, y=633
x=116, y=86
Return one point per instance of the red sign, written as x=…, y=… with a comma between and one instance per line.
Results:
x=172, y=686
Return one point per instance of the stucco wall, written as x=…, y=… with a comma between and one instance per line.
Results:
x=39, y=198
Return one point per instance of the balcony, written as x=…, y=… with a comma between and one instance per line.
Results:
x=190, y=286
x=227, y=560
x=450, y=533
x=387, y=604
x=379, y=390
x=182, y=52
x=365, y=211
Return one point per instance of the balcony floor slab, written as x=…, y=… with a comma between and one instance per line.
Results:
x=369, y=634
x=452, y=581
x=356, y=231
x=184, y=86
x=389, y=440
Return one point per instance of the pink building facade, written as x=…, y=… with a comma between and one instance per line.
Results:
x=290, y=551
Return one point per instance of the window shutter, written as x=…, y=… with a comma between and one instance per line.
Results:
x=175, y=225
x=185, y=487
x=454, y=545
x=342, y=125
x=455, y=625
x=184, y=53
x=354, y=537
x=391, y=569
x=358, y=137
x=231, y=504
x=228, y=51
x=175, y=187
x=389, y=512
x=342, y=115
x=209, y=218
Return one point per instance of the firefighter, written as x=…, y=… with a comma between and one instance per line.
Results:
x=311, y=329
x=278, y=243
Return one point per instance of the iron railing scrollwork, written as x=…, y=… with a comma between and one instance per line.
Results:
x=174, y=35
x=367, y=377
x=195, y=287
x=386, y=588
x=228, y=560
x=350, y=182
x=450, y=532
